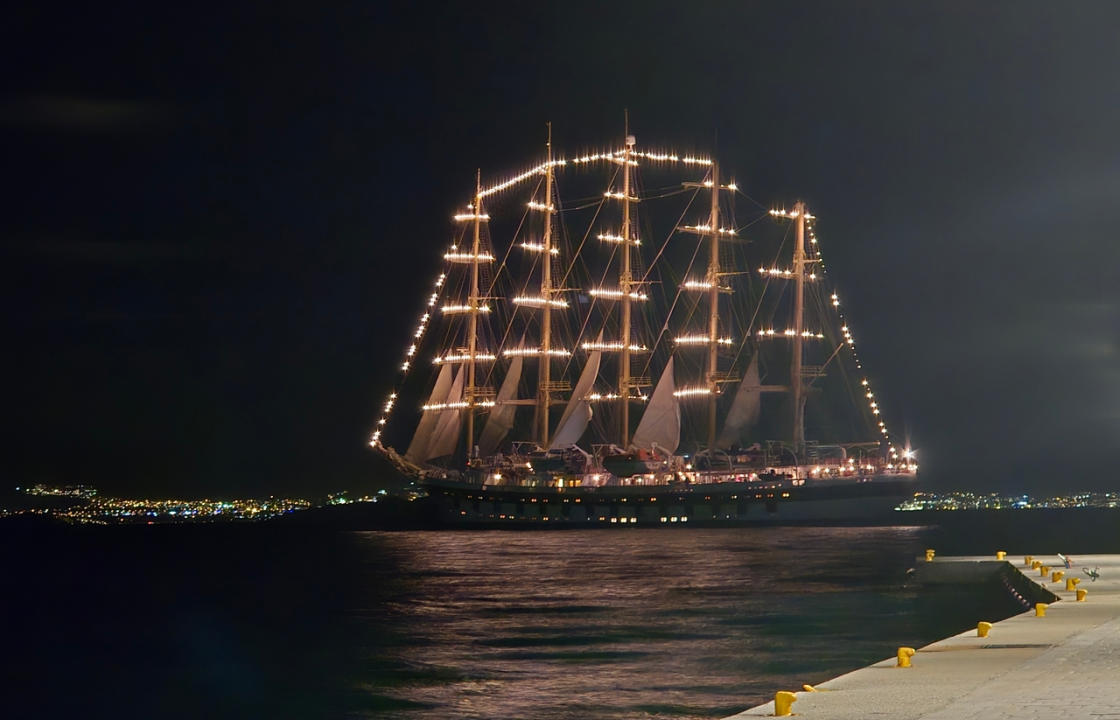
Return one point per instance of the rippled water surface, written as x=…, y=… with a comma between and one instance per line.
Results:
x=632, y=623
x=627, y=623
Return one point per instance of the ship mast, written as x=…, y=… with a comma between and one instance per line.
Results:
x=472, y=319
x=625, y=281
x=547, y=300
x=544, y=376
x=713, y=307
x=796, y=332
x=711, y=285
x=463, y=392
x=625, y=292
x=795, y=380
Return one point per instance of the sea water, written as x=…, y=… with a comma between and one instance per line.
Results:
x=262, y=621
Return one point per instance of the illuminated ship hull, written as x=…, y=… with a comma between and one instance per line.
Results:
x=859, y=500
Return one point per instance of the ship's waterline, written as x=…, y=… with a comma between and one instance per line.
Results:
x=862, y=500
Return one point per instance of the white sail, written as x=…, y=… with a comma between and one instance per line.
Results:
x=578, y=411
x=661, y=422
x=501, y=417
x=745, y=408
x=422, y=438
x=446, y=435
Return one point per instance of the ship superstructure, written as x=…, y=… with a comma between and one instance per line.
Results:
x=548, y=321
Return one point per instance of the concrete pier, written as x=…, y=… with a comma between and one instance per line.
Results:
x=1063, y=664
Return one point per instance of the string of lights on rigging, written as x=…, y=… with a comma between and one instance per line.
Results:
x=458, y=309
x=455, y=257
x=612, y=347
x=538, y=247
x=872, y=405
x=464, y=357
x=615, y=238
x=458, y=405
x=537, y=301
x=604, y=397
x=612, y=294
x=707, y=229
x=528, y=352
x=472, y=215
x=417, y=334
x=784, y=273
x=701, y=340
x=464, y=257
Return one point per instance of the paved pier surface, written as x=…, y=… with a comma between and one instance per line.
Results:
x=1063, y=665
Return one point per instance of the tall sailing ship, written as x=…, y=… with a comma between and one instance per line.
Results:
x=534, y=356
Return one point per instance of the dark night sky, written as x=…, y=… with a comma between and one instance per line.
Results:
x=211, y=213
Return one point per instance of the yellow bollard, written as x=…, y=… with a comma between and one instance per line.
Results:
x=1028, y=560
x=1036, y=564
x=1081, y=594
x=904, y=655
x=1043, y=570
x=1000, y=554
x=929, y=555
x=1057, y=575
x=982, y=629
x=1040, y=609
x=1071, y=584
x=783, y=703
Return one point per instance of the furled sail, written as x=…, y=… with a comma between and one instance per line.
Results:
x=501, y=417
x=661, y=422
x=422, y=439
x=745, y=407
x=446, y=435
x=578, y=411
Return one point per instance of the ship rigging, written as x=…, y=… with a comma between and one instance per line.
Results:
x=565, y=307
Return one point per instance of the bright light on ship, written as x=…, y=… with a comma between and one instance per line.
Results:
x=457, y=257
x=462, y=404
x=539, y=170
x=464, y=357
x=701, y=340
x=789, y=332
x=451, y=309
x=688, y=392
x=708, y=229
x=538, y=247
x=536, y=301
x=514, y=352
x=613, y=238
x=612, y=294
x=612, y=346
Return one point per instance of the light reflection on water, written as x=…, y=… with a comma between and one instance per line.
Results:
x=282, y=621
x=625, y=623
